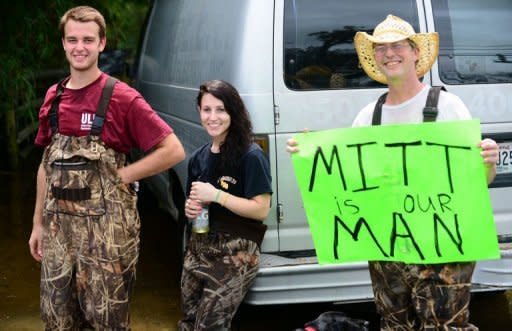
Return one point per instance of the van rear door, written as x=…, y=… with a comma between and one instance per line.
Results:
x=475, y=63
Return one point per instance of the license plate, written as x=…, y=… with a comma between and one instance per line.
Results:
x=504, y=164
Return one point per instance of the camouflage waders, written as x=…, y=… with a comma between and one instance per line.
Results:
x=423, y=297
x=217, y=273
x=91, y=237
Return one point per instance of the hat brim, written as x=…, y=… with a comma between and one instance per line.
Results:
x=427, y=44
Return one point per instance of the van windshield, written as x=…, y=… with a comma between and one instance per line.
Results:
x=475, y=41
x=318, y=40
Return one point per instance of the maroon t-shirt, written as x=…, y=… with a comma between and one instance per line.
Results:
x=130, y=120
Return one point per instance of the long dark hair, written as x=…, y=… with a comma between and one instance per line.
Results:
x=239, y=135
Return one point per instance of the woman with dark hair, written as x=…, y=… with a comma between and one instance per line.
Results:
x=229, y=177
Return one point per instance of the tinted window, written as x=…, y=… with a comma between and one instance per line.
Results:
x=318, y=40
x=475, y=40
x=179, y=41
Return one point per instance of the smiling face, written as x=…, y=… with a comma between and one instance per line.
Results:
x=82, y=45
x=214, y=118
x=396, y=60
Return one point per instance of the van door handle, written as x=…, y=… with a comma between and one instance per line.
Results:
x=280, y=213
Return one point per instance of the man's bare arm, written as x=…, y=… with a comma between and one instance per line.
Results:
x=36, y=238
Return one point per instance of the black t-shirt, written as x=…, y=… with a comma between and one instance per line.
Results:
x=250, y=178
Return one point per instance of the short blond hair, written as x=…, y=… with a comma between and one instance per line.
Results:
x=84, y=14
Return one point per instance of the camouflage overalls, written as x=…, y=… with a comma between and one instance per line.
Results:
x=91, y=236
x=218, y=270
x=422, y=297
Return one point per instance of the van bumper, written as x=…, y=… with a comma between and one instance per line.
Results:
x=495, y=273
x=284, y=281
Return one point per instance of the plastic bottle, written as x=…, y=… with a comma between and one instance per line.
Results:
x=200, y=224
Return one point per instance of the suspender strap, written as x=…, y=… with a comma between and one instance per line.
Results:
x=430, y=109
x=53, y=115
x=377, y=111
x=99, y=116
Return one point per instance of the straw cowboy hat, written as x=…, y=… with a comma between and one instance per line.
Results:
x=391, y=30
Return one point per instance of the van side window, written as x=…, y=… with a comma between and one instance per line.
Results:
x=318, y=38
x=475, y=41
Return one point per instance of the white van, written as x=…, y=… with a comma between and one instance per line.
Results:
x=295, y=66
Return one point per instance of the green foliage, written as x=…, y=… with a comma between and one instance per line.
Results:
x=127, y=18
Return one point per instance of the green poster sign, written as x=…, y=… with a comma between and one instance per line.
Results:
x=415, y=193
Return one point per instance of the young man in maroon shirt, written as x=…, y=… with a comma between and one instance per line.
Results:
x=85, y=226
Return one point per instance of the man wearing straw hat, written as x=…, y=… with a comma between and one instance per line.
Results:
x=410, y=296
